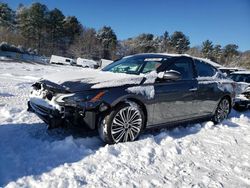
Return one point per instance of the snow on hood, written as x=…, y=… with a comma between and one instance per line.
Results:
x=98, y=79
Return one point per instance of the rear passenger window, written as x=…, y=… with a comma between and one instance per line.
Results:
x=204, y=69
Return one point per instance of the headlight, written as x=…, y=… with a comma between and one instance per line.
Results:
x=98, y=96
x=75, y=98
x=64, y=98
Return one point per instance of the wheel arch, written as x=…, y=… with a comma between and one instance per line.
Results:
x=227, y=96
x=104, y=129
x=138, y=102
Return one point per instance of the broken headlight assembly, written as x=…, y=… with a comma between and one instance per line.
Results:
x=79, y=97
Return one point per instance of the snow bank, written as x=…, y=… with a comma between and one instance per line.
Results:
x=9, y=56
x=86, y=62
x=105, y=62
x=198, y=155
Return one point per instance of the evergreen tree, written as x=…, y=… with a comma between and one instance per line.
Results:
x=86, y=45
x=55, y=30
x=145, y=43
x=229, y=52
x=108, y=40
x=72, y=29
x=165, y=45
x=195, y=51
x=32, y=23
x=126, y=47
x=7, y=16
x=179, y=42
x=22, y=19
x=159, y=44
x=37, y=19
x=217, y=53
x=7, y=24
x=207, y=49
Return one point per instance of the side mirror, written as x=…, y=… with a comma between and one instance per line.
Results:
x=171, y=75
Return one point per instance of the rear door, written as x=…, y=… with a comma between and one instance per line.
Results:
x=208, y=92
x=175, y=100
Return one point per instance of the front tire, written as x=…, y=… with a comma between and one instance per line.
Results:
x=124, y=123
x=222, y=111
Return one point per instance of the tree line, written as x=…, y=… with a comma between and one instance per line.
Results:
x=39, y=30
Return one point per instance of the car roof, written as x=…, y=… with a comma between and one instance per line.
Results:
x=231, y=68
x=152, y=55
x=148, y=55
x=241, y=72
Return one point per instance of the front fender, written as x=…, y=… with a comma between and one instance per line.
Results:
x=118, y=95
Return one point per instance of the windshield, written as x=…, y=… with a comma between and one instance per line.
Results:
x=135, y=65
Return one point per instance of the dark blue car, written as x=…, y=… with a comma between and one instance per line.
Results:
x=134, y=93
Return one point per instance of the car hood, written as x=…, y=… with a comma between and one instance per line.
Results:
x=74, y=81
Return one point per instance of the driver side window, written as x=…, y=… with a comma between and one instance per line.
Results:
x=183, y=66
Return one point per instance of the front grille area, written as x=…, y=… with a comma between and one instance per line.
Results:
x=49, y=95
x=41, y=91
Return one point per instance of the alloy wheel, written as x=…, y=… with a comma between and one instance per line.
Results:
x=222, y=110
x=126, y=124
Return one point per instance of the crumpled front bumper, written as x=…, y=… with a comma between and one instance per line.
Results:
x=56, y=117
x=50, y=116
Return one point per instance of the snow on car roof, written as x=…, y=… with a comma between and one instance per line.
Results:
x=179, y=55
x=241, y=72
x=232, y=68
x=156, y=54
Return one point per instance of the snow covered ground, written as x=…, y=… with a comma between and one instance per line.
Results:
x=199, y=155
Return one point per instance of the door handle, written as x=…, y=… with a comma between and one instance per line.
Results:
x=193, y=89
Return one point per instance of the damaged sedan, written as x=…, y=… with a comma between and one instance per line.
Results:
x=133, y=94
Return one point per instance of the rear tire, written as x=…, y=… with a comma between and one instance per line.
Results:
x=222, y=111
x=124, y=123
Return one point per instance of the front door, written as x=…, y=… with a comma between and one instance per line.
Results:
x=176, y=100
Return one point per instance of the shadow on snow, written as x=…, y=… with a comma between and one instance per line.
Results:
x=31, y=149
